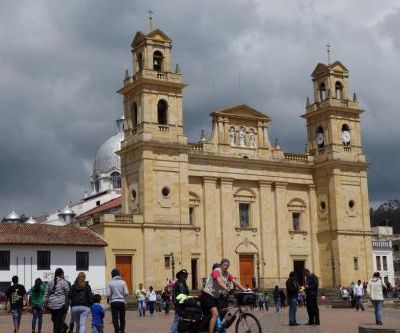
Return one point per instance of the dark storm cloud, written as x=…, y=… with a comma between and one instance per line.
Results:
x=61, y=63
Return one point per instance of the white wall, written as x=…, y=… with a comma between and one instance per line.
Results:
x=60, y=256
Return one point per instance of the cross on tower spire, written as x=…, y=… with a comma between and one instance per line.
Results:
x=150, y=12
x=328, y=50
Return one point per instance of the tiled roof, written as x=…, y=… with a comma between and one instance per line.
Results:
x=104, y=208
x=45, y=234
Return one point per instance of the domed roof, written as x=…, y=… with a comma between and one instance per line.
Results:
x=106, y=159
x=31, y=220
x=67, y=211
x=13, y=216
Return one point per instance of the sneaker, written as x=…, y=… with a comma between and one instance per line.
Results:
x=379, y=323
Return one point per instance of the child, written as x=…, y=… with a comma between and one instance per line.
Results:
x=323, y=300
x=97, y=315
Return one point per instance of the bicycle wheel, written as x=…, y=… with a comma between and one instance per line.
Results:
x=248, y=323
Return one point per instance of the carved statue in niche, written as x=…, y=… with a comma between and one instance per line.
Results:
x=232, y=136
x=242, y=137
x=252, y=139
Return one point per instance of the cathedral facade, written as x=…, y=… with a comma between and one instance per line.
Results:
x=236, y=195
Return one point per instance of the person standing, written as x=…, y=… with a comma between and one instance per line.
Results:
x=375, y=289
x=16, y=295
x=311, y=289
x=141, y=299
x=359, y=294
x=97, y=315
x=81, y=301
x=292, y=288
x=55, y=299
x=260, y=300
x=37, y=293
x=151, y=299
x=180, y=287
x=166, y=299
x=277, y=298
x=116, y=292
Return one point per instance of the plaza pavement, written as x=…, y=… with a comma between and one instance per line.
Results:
x=332, y=321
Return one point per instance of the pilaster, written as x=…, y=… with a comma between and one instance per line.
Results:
x=227, y=217
x=280, y=227
x=312, y=199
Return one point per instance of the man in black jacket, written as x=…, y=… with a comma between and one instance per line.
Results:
x=292, y=288
x=312, y=295
x=180, y=287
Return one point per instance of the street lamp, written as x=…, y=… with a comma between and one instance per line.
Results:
x=172, y=265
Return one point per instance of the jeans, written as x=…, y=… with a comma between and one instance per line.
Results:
x=97, y=328
x=80, y=314
x=118, y=316
x=378, y=310
x=57, y=317
x=292, y=310
x=151, y=305
x=142, y=308
x=37, y=313
x=358, y=303
x=175, y=322
x=16, y=315
x=277, y=304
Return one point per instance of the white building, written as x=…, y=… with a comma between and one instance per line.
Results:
x=382, y=252
x=35, y=251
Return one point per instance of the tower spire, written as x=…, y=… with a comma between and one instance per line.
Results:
x=150, y=12
x=328, y=51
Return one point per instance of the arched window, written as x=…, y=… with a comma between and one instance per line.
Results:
x=140, y=61
x=338, y=90
x=96, y=184
x=162, y=108
x=134, y=114
x=116, y=180
x=322, y=92
x=320, y=137
x=345, y=127
x=157, y=61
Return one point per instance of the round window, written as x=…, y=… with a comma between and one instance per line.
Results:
x=133, y=194
x=165, y=191
x=322, y=205
x=352, y=204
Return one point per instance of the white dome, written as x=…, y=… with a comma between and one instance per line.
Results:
x=31, y=220
x=106, y=159
x=13, y=216
x=67, y=211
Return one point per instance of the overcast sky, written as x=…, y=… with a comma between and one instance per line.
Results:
x=62, y=61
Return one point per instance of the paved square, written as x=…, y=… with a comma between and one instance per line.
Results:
x=332, y=321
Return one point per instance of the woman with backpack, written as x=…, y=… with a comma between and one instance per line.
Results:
x=37, y=293
x=81, y=301
x=55, y=299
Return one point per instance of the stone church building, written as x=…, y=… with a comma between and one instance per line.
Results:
x=235, y=195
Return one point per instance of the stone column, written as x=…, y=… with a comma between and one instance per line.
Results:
x=211, y=219
x=268, y=244
x=281, y=228
x=227, y=217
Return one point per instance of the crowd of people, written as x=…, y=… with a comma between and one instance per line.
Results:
x=59, y=296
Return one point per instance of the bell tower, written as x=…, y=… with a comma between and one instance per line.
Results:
x=340, y=176
x=333, y=120
x=153, y=94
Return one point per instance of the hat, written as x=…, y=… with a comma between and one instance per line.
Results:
x=115, y=272
x=181, y=272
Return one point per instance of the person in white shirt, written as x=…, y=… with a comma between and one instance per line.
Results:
x=151, y=300
x=375, y=291
x=359, y=294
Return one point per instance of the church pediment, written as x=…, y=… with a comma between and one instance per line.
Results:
x=337, y=66
x=241, y=111
x=138, y=39
x=159, y=36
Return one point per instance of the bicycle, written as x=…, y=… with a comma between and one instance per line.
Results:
x=194, y=320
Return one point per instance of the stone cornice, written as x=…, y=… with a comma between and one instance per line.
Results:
x=281, y=185
x=210, y=179
x=226, y=180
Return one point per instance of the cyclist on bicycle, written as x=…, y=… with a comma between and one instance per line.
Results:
x=218, y=282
